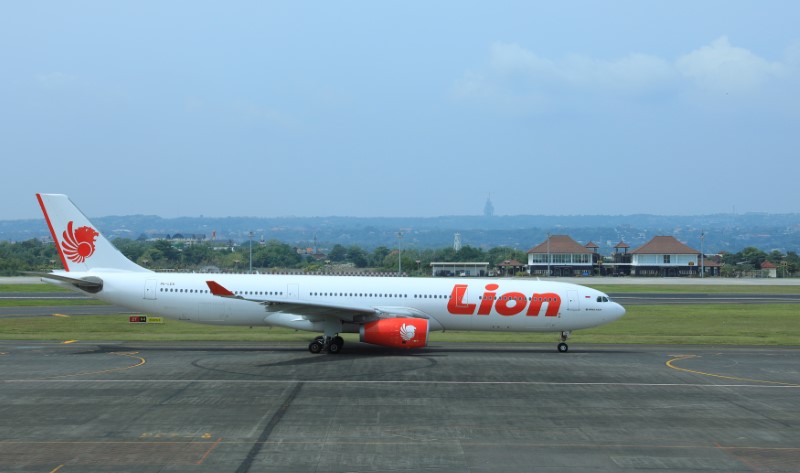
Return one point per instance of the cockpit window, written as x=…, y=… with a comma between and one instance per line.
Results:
x=602, y=299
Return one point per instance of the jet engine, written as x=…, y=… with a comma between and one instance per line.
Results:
x=396, y=332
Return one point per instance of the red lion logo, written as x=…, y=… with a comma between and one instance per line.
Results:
x=79, y=244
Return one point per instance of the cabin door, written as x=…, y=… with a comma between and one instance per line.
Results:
x=150, y=289
x=572, y=301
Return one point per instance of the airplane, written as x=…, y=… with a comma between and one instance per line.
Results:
x=397, y=312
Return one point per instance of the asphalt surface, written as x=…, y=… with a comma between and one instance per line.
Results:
x=217, y=407
x=71, y=310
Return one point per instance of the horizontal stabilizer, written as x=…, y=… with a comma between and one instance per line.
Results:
x=90, y=284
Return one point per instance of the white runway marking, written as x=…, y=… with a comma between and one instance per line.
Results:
x=405, y=382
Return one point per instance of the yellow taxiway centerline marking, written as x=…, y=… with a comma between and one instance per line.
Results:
x=208, y=452
x=57, y=468
x=736, y=378
x=67, y=342
x=118, y=353
x=60, y=315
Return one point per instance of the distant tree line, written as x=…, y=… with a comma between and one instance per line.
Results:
x=29, y=255
x=34, y=255
x=751, y=258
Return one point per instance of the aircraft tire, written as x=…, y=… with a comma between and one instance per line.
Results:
x=562, y=347
x=315, y=347
x=335, y=346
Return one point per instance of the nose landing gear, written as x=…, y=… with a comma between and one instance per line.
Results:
x=563, y=347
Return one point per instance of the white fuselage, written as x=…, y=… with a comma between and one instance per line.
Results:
x=448, y=303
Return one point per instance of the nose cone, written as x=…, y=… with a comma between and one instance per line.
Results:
x=616, y=312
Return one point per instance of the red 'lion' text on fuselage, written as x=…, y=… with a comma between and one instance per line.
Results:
x=510, y=303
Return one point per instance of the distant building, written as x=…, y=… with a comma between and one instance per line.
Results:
x=488, y=209
x=713, y=266
x=769, y=269
x=189, y=239
x=563, y=256
x=465, y=269
x=620, y=261
x=664, y=256
x=510, y=267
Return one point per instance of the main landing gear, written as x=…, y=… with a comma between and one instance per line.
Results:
x=330, y=341
x=563, y=347
x=332, y=344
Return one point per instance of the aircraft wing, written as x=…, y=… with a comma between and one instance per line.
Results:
x=316, y=310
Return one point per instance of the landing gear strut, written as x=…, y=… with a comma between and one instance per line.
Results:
x=330, y=341
x=332, y=344
x=563, y=347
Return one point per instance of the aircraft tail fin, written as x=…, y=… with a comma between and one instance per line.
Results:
x=80, y=245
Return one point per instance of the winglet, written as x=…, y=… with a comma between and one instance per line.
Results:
x=219, y=290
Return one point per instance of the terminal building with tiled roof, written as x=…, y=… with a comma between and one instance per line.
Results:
x=560, y=255
x=664, y=256
x=510, y=267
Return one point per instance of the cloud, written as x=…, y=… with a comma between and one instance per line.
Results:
x=518, y=77
x=511, y=58
x=723, y=68
x=635, y=71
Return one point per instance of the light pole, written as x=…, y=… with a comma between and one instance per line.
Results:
x=399, y=253
x=702, y=255
x=251, y=250
x=548, y=254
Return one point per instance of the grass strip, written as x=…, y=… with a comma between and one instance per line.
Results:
x=32, y=288
x=694, y=289
x=48, y=302
x=723, y=324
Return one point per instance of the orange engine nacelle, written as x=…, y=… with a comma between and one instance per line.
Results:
x=397, y=333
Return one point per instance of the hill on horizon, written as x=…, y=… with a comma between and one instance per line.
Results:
x=721, y=232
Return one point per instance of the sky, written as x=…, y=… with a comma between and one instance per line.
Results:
x=400, y=108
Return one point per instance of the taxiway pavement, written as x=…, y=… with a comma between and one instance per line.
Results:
x=216, y=407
